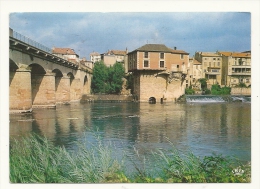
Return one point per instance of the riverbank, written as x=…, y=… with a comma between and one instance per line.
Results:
x=36, y=160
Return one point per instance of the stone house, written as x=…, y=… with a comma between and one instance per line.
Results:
x=236, y=68
x=95, y=57
x=66, y=53
x=196, y=73
x=211, y=65
x=112, y=56
x=159, y=72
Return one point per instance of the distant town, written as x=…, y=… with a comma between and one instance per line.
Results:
x=157, y=71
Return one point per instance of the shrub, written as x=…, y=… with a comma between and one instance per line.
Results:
x=217, y=90
x=189, y=91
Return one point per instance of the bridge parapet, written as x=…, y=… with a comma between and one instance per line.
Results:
x=22, y=43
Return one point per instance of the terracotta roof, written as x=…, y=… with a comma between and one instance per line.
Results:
x=236, y=54
x=117, y=52
x=94, y=54
x=154, y=48
x=209, y=54
x=196, y=62
x=178, y=51
x=62, y=51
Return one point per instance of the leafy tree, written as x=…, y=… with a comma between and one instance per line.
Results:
x=107, y=79
x=116, y=74
x=100, y=76
x=203, y=83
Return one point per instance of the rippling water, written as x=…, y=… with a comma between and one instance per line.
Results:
x=203, y=128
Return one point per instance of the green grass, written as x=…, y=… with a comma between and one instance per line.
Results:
x=36, y=160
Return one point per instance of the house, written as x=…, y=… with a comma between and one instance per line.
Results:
x=112, y=56
x=95, y=57
x=159, y=72
x=196, y=72
x=211, y=66
x=66, y=53
x=87, y=63
x=236, y=68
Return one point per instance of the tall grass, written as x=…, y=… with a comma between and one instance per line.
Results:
x=36, y=160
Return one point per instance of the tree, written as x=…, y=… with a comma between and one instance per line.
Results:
x=100, y=76
x=107, y=79
x=203, y=83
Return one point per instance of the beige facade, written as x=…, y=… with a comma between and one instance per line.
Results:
x=236, y=68
x=112, y=56
x=211, y=65
x=196, y=73
x=159, y=72
x=95, y=57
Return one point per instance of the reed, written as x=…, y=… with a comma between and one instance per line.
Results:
x=36, y=160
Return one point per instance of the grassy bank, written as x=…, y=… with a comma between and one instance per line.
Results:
x=37, y=160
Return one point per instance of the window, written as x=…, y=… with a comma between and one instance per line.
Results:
x=218, y=63
x=210, y=64
x=146, y=54
x=181, y=56
x=214, y=58
x=161, y=55
x=161, y=64
x=177, y=66
x=247, y=80
x=205, y=58
x=146, y=63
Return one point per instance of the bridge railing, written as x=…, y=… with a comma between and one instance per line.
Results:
x=29, y=41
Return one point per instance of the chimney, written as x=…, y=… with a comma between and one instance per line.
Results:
x=175, y=48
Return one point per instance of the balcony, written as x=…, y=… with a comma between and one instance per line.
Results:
x=241, y=71
x=241, y=66
x=213, y=71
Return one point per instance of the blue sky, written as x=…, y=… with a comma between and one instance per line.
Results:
x=96, y=31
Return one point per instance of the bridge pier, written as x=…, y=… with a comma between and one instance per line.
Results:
x=62, y=85
x=20, y=96
x=43, y=90
x=75, y=90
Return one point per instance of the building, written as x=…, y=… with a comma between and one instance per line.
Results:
x=112, y=56
x=159, y=72
x=236, y=68
x=87, y=63
x=95, y=57
x=196, y=73
x=211, y=64
x=66, y=53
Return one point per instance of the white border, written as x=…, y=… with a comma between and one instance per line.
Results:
x=8, y=6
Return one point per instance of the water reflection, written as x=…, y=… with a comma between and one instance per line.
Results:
x=224, y=128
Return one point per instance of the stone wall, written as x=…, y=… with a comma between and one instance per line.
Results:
x=240, y=91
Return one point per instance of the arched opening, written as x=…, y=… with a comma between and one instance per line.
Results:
x=152, y=100
x=37, y=74
x=85, y=85
x=12, y=70
x=58, y=76
x=71, y=76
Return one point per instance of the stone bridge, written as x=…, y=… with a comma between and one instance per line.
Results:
x=39, y=79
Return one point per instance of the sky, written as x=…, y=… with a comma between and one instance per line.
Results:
x=86, y=32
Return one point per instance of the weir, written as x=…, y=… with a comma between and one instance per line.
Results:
x=216, y=98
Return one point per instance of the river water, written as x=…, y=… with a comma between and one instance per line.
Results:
x=204, y=128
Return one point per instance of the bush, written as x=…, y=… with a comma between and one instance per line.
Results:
x=217, y=90
x=241, y=85
x=189, y=91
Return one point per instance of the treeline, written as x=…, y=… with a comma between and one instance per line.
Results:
x=107, y=80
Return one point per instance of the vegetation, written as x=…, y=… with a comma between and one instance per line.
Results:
x=107, y=79
x=217, y=90
x=203, y=83
x=189, y=91
x=130, y=82
x=37, y=160
x=241, y=85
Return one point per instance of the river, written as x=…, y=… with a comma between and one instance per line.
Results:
x=204, y=128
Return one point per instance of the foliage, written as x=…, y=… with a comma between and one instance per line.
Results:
x=130, y=82
x=107, y=79
x=189, y=91
x=203, y=83
x=37, y=160
x=217, y=90
x=207, y=91
x=241, y=85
